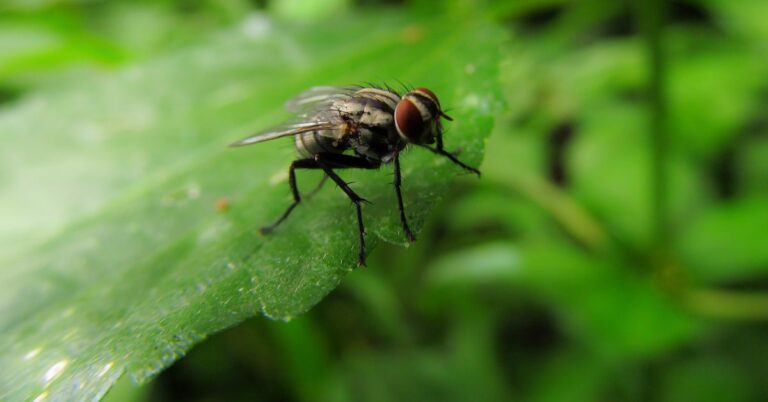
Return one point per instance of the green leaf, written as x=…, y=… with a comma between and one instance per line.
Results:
x=45, y=46
x=753, y=164
x=115, y=257
x=612, y=175
x=708, y=379
x=727, y=242
x=706, y=113
x=308, y=9
x=597, y=300
x=570, y=375
x=462, y=367
x=743, y=18
x=417, y=376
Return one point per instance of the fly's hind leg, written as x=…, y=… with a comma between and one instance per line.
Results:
x=328, y=162
x=297, y=164
x=317, y=188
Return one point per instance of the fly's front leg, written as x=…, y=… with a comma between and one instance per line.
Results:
x=330, y=161
x=403, y=219
x=297, y=164
x=440, y=151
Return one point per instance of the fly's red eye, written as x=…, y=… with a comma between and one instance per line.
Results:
x=429, y=94
x=408, y=121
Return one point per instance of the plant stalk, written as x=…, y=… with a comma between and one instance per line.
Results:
x=651, y=16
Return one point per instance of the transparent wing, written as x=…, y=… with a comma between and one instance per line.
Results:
x=318, y=98
x=284, y=131
x=306, y=105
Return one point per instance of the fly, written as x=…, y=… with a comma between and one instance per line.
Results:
x=362, y=128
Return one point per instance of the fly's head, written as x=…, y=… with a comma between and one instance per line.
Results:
x=417, y=116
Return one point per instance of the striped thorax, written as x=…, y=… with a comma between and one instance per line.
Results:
x=362, y=121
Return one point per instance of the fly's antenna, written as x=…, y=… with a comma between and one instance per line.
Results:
x=443, y=114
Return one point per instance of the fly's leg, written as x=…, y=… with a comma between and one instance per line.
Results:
x=297, y=164
x=330, y=161
x=440, y=151
x=327, y=162
x=317, y=188
x=403, y=219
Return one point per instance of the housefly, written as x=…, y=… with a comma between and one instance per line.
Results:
x=358, y=127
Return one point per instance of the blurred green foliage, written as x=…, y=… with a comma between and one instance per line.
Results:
x=547, y=280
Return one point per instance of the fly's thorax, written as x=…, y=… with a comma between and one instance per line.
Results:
x=370, y=111
x=376, y=143
x=368, y=106
x=384, y=96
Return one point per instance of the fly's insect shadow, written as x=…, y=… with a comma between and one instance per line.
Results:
x=360, y=127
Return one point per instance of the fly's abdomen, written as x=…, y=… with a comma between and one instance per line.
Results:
x=312, y=143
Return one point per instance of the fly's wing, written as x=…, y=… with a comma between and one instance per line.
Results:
x=284, y=131
x=318, y=98
x=315, y=103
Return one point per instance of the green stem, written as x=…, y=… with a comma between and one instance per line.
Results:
x=724, y=304
x=651, y=18
x=567, y=212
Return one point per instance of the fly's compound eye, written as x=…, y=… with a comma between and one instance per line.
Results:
x=429, y=94
x=417, y=116
x=409, y=122
x=426, y=93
